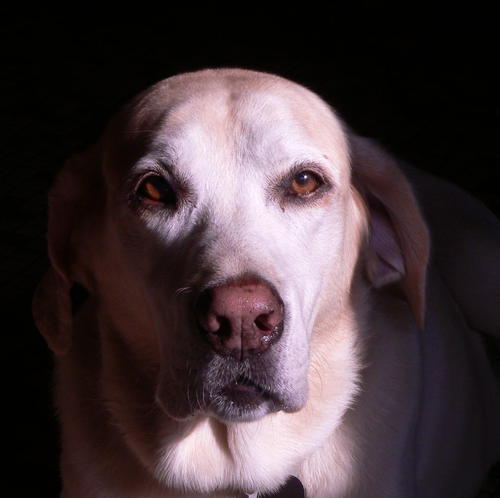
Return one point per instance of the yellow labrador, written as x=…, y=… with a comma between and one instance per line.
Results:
x=241, y=291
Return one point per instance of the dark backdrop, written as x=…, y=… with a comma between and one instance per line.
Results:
x=418, y=80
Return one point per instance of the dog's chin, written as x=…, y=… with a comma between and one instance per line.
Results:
x=241, y=403
x=239, y=398
x=244, y=401
x=233, y=403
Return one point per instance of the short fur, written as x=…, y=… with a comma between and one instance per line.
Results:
x=380, y=381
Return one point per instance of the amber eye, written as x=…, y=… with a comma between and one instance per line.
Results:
x=305, y=182
x=154, y=189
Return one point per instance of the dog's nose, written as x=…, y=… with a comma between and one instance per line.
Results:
x=240, y=318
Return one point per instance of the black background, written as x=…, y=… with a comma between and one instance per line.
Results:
x=419, y=80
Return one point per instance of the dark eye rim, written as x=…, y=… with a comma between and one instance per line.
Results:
x=325, y=184
x=142, y=201
x=319, y=180
x=143, y=180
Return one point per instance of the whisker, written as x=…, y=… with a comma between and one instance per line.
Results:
x=183, y=290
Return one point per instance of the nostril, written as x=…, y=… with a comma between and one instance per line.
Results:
x=211, y=323
x=215, y=324
x=224, y=330
x=264, y=322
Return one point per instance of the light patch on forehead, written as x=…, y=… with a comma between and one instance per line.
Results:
x=293, y=124
x=198, y=131
x=265, y=128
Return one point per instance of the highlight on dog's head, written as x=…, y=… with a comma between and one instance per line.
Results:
x=223, y=214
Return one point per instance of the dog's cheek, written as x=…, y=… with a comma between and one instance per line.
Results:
x=289, y=364
x=183, y=355
x=174, y=397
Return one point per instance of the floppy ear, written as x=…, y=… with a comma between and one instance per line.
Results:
x=398, y=246
x=52, y=303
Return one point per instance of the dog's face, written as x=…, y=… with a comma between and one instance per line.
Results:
x=216, y=225
x=227, y=231
x=220, y=190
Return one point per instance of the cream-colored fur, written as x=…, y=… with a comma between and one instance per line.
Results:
x=384, y=383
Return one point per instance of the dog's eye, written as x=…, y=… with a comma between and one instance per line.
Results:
x=154, y=189
x=305, y=182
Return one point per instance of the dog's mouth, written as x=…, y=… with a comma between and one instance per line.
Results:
x=245, y=392
x=242, y=400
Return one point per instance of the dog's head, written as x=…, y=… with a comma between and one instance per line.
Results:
x=223, y=215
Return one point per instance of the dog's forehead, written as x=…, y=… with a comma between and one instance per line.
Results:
x=232, y=116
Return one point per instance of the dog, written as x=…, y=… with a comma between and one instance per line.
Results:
x=242, y=290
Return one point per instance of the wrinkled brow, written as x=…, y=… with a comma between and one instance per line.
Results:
x=164, y=151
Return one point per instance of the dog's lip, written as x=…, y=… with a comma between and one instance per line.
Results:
x=245, y=391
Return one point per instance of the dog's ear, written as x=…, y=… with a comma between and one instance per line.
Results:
x=398, y=247
x=69, y=196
